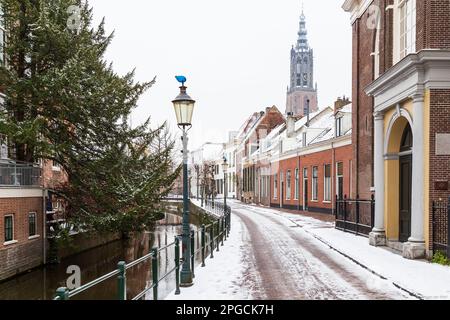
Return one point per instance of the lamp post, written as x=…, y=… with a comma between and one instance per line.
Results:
x=225, y=187
x=184, y=108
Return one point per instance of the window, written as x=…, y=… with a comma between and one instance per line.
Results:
x=9, y=228
x=315, y=184
x=304, y=139
x=339, y=127
x=407, y=10
x=340, y=180
x=327, y=183
x=32, y=224
x=296, y=193
x=275, y=186
x=3, y=146
x=288, y=185
x=56, y=166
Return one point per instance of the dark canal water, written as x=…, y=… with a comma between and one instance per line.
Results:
x=41, y=283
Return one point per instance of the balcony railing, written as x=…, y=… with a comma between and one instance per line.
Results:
x=19, y=174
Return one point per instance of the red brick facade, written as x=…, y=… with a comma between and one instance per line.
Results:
x=331, y=157
x=24, y=252
x=439, y=164
x=432, y=32
x=246, y=173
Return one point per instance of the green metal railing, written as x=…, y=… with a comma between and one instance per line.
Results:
x=210, y=237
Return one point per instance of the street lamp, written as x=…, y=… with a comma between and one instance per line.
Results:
x=225, y=192
x=184, y=108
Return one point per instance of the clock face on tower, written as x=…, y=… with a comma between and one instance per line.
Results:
x=305, y=77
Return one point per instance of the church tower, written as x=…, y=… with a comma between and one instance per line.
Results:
x=302, y=91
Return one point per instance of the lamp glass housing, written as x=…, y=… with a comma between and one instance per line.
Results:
x=184, y=108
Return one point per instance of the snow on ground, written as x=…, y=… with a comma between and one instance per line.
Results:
x=295, y=265
x=224, y=276
x=425, y=279
x=278, y=255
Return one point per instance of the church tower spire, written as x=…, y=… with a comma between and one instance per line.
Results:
x=302, y=88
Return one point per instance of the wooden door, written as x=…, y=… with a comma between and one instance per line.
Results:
x=405, y=197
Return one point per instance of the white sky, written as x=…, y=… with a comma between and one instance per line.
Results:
x=235, y=54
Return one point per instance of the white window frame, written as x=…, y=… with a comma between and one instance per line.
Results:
x=13, y=241
x=297, y=180
x=327, y=185
x=288, y=184
x=275, y=186
x=405, y=20
x=339, y=125
x=36, y=235
x=315, y=182
x=340, y=176
x=281, y=185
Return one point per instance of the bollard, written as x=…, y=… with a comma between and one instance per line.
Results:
x=222, y=225
x=212, y=240
x=229, y=222
x=177, y=266
x=62, y=293
x=225, y=227
x=192, y=252
x=155, y=273
x=218, y=236
x=122, y=280
x=203, y=246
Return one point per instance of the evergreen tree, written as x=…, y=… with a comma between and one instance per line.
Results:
x=65, y=103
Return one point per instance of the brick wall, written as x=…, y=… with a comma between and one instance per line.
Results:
x=25, y=254
x=433, y=24
x=439, y=165
x=319, y=160
x=363, y=74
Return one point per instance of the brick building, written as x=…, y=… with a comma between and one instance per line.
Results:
x=256, y=128
x=311, y=161
x=401, y=99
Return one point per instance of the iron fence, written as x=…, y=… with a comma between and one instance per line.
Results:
x=211, y=236
x=355, y=216
x=17, y=174
x=216, y=207
x=441, y=226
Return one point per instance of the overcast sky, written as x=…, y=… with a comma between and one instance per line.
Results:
x=235, y=54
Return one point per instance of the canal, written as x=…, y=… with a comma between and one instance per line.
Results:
x=41, y=283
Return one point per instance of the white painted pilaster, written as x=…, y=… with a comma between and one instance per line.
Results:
x=378, y=235
x=415, y=248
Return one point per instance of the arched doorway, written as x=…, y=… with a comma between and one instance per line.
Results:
x=405, y=179
x=398, y=177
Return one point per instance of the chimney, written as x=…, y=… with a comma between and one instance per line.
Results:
x=340, y=103
x=290, y=125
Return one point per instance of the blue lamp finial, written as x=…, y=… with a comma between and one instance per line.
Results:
x=181, y=79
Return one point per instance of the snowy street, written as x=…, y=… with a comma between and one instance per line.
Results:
x=290, y=264
x=270, y=257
